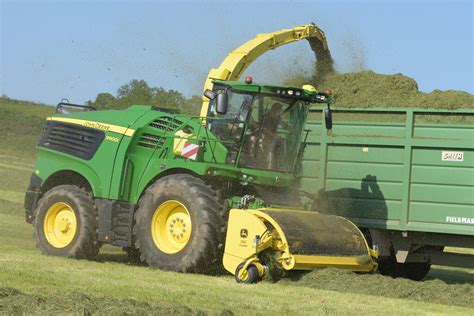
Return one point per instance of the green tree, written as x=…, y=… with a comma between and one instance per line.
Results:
x=135, y=92
x=167, y=98
x=104, y=100
x=139, y=92
x=192, y=106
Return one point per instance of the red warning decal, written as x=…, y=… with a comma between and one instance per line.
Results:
x=190, y=150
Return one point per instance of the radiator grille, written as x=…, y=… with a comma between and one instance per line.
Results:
x=151, y=141
x=165, y=123
x=76, y=140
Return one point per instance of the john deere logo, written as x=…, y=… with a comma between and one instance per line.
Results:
x=244, y=233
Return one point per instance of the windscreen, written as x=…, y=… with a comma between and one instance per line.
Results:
x=68, y=108
x=230, y=127
x=272, y=139
x=261, y=131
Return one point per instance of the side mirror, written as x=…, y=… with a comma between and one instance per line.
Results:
x=211, y=95
x=328, y=118
x=222, y=102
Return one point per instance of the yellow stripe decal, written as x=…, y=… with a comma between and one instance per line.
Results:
x=96, y=125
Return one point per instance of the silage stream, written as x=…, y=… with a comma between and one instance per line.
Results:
x=369, y=89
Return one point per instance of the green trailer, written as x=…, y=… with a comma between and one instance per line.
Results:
x=404, y=176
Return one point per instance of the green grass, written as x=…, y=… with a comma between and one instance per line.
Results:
x=21, y=125
x=54, y=279
x=35, y=283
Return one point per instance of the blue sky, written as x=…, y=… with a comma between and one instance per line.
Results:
x=76, y=49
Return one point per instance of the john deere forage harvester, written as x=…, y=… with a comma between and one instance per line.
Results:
x=187, y=193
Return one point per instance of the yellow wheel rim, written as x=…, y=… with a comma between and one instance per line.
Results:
x=60, y=225
x=171, y=227
x=243, y=274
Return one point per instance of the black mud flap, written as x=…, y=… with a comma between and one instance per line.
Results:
x=32, y=196
x=115, y=222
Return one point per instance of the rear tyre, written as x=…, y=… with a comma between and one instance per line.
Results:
x=249, y=276
x=65, y=223
x=180, y=226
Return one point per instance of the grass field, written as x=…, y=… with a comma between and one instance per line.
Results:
x=34, y=283
x=21, y=122
x=31, y=282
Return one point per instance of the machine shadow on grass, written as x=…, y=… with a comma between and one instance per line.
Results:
x=113, y=257
x=105, y=256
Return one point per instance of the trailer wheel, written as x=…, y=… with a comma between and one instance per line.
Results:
x=65, y=223
x=415, y=271
x=249, y=276
x=411, y=270
x=180, y=225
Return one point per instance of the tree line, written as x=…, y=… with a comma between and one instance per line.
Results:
x=140, y=92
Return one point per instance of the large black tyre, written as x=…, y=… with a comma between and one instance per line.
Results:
x=82, y=241
x=203, y=249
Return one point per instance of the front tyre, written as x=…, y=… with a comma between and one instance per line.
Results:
x=180, y=225
x=65, y=223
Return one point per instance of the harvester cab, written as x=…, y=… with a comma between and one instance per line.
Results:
x=260, y=125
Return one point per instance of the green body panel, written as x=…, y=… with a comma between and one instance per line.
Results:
x=139, y=146
x=99, y=179
x=145, y=164
x=122, y=170
x=113, y=117
x=99, y=170
x=383, y=168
